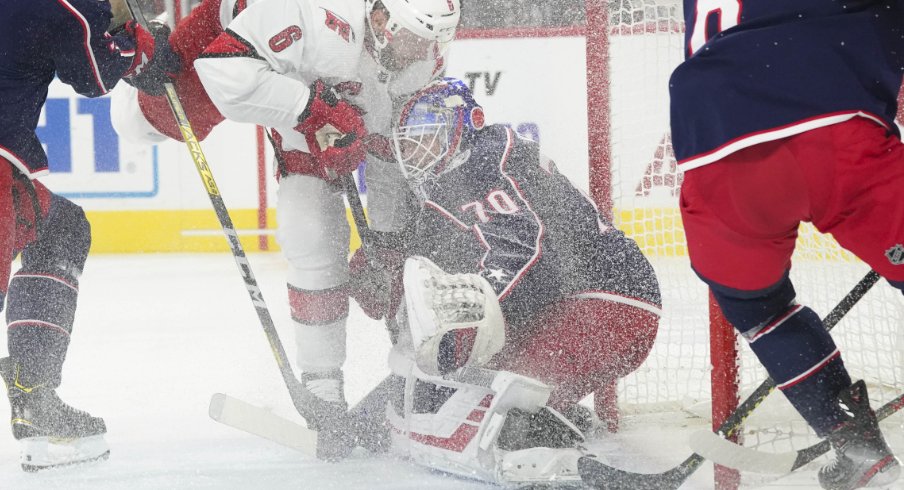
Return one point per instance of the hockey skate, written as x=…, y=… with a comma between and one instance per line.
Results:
x=329, y=414
x=51, y=433
x=862, y=458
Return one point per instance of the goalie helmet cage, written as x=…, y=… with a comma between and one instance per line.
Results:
x=697, y=364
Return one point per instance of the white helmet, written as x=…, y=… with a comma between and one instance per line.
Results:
x=435, y=20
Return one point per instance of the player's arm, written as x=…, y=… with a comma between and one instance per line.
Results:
x=86, y=56
x=242, y=69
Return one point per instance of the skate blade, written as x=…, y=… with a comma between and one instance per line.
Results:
x=42, y=453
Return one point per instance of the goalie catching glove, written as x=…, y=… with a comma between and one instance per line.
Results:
x=377, y=288
x=334, y=131
x=455, y=319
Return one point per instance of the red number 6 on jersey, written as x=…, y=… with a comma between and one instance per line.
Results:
x=285, y=38
x=729, y=12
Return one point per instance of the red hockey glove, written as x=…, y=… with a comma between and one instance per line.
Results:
x=334, y=130
x=144, y=47
x=162, y=65
x=377, y=290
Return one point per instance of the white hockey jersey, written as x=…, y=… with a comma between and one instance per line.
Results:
x=260, y=69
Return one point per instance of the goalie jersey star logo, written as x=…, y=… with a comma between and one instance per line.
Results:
x=497, y=275
x=895, y=254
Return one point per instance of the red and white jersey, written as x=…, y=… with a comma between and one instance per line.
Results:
x=260, y=69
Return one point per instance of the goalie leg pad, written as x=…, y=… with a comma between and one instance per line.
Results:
x=454, y=319
x=492, y=431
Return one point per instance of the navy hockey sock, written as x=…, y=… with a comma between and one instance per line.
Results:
x=43, y=294
x=793, y=345
x=802, y=358
x=39, y=322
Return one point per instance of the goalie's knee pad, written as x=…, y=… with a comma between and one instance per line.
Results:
x=454, y=319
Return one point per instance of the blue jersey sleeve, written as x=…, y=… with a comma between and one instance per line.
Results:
x=88, y=58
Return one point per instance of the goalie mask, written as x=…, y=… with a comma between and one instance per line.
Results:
x=410, y=30
x=436, y=129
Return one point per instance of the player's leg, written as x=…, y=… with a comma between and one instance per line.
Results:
x=741, y=217
x=594, y=342
x=478, y=423
x=40, y=312
x=314, y=236
x=862, y=206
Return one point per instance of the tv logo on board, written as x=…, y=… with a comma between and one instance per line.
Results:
x=490, y=80
x=87, y=158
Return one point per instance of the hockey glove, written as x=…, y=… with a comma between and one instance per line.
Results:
x=455, y=319
x=376, y=289
x=155, y=61
x=334, y=130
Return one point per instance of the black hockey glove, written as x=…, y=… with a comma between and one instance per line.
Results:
x=163, y=65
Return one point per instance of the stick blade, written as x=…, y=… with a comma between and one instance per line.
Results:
x=263, y=423
x=726, y=453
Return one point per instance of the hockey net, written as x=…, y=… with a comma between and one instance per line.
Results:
x=644, y=43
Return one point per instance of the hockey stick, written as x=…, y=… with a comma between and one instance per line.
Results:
x=367, y=241
x=726, y=453
x=301, y=397
x=354, y=202
x=367, y=416
x=601, y=475
x=263, y=423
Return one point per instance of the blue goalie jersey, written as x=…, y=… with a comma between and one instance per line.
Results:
x=40, y=39
x=761, y=70
x=509, y=215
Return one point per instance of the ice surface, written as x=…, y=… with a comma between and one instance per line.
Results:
x=156, y=335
